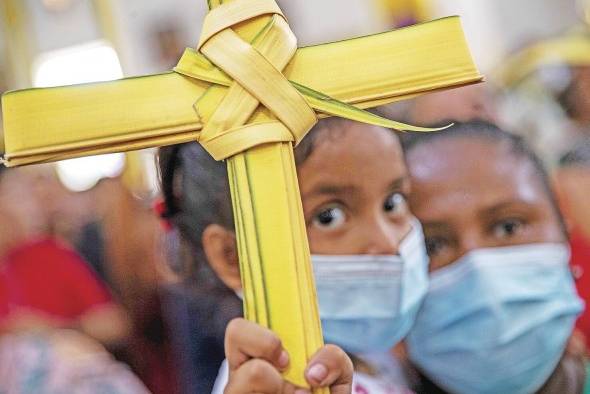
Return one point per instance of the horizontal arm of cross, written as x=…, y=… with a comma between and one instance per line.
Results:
x=57, y=123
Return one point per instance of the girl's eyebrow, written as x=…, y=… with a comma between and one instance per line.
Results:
x=399, y=183
x=345, y=189
x=328, y=189
x=500, y=206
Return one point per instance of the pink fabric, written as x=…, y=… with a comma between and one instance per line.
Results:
x=48, y=277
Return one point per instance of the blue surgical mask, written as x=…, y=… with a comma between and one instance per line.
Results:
x=368, y=303
x=497, y=320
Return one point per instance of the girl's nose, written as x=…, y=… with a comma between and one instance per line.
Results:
x=383, y=237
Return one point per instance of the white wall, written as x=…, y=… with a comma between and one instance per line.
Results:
x=55, y=30
x=136, y=20
x=330, y=20
x=493, y=27
x=326, y=20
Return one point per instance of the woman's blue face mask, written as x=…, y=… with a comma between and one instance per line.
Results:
x=497, y=320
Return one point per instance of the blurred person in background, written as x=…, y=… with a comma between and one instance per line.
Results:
x=572, y=184
x=134, y=261
x=501, y=306
x=44, y=283
x=114, y=228
x=461, y=104
x=575, y=98
x=546, y=92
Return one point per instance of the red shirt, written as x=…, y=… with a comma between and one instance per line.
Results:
x=48, y=277
x=580, y=262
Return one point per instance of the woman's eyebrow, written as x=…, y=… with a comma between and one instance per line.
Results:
x=500, y=206
x=435, y=225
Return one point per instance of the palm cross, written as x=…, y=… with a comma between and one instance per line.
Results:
x=248, y=95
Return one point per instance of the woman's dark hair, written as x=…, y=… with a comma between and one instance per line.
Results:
x=196, y=191
x=489, y=132
x=579, y=155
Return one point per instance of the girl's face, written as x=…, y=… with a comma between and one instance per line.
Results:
x=470, y=193
x=354, y=189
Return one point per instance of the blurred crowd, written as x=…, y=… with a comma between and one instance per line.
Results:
x=118, y=290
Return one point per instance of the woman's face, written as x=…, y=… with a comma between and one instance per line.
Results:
x=472, y=193
x=354, y=187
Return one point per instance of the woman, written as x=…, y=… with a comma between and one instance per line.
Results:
x=367, y=249
x=501, y=303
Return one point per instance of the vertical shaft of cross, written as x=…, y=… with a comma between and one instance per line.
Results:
x=273, y=249
x=275, y=266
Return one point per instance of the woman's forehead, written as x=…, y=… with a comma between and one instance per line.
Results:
x=483, y=174
x=463, y=158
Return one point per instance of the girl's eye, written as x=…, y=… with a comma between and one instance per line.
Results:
x=395, y=204
x=507, y=228
x=329, y=218
x=435, y=245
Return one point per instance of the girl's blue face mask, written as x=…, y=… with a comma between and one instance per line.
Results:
x=368, y=303
x=497, y=320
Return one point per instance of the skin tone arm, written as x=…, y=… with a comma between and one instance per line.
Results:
x=107, y=324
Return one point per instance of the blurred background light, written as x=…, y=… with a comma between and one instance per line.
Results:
x=84, y=173
x=91, y=62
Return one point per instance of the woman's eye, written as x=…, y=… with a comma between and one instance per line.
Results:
x=507, y=228
x=435, y=245
x=395, y=204
x=329, y=218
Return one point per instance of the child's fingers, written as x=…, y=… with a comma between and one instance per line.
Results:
x=245, y=340
x=330, y=367
x=257, y=376
x=254, y=376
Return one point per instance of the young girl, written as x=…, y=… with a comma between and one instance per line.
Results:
x=501, y=303
x=367, y=249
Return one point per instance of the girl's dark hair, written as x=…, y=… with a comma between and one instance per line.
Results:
x=492, y=133
x=196, y=195
x=328, y=129
x=196, y=191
